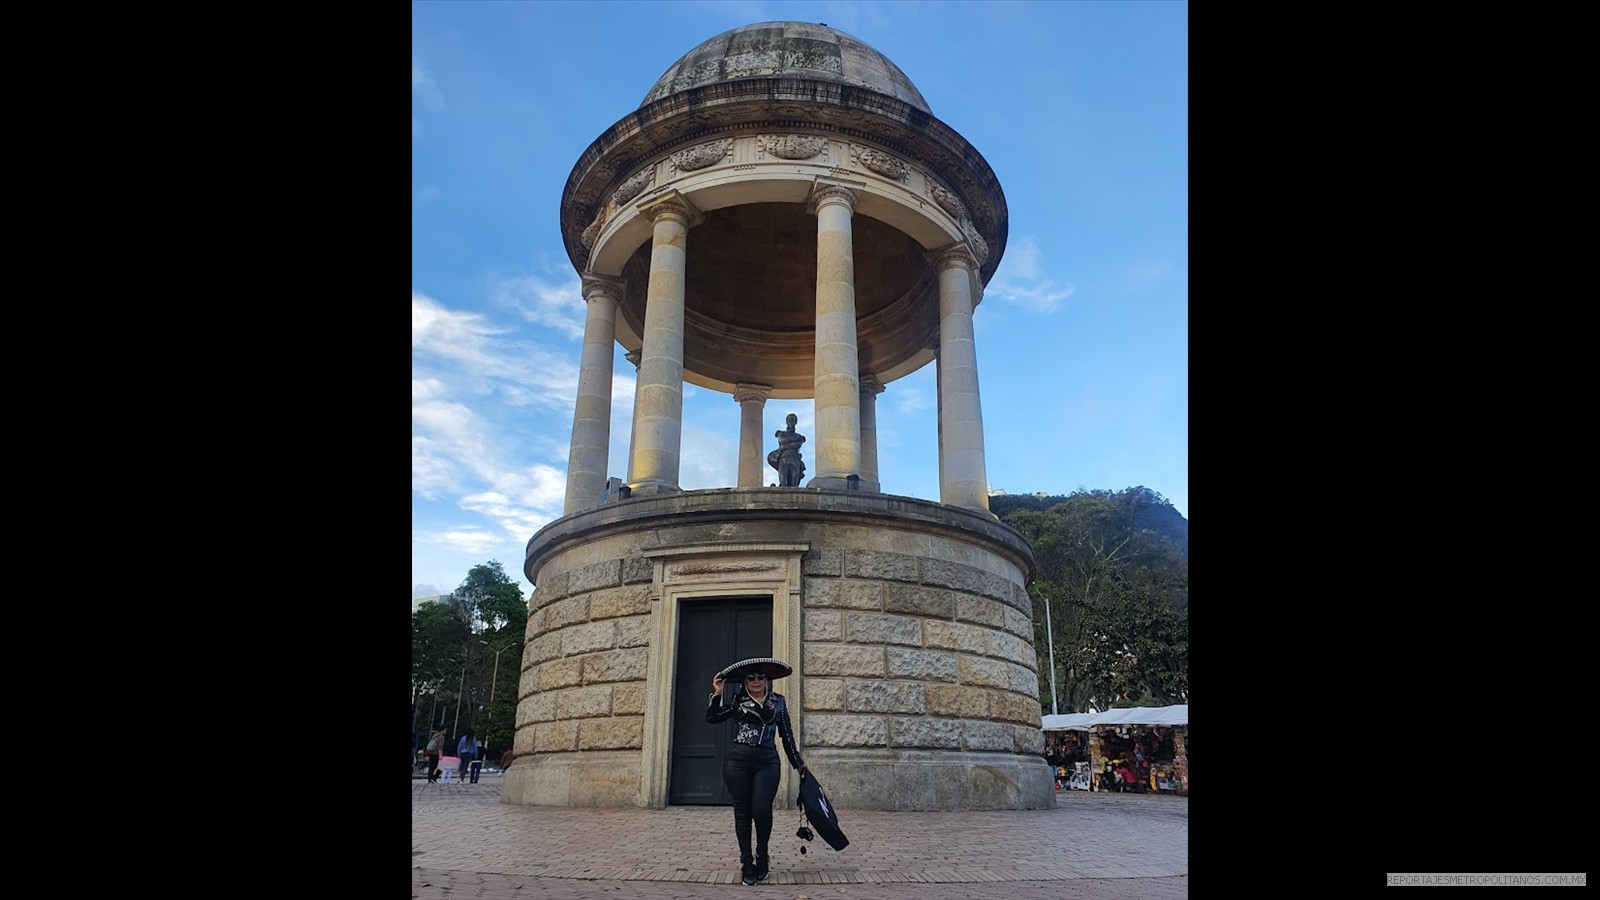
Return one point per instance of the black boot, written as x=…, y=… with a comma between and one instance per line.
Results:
x=747, y=872
x=761, y=865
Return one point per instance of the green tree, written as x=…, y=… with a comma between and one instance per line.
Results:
x=1113, y=568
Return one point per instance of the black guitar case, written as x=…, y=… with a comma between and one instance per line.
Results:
x=819, y=811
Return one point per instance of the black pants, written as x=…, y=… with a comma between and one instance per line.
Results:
x=751, y=774
x=433, y=767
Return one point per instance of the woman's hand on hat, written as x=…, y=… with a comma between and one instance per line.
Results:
x=804, y=767
x=716, y=684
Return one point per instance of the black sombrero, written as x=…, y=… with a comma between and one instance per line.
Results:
x=770, y=666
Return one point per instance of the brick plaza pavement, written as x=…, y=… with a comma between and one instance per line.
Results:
x=467, y=844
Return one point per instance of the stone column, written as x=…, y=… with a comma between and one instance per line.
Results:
x=632, y=356
x=591, y=418
x=838, y=398
x=752, y=399
x=871, y=387
x=963, y=478
x=658, y=403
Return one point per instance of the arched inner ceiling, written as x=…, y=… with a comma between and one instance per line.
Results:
x=750, y=296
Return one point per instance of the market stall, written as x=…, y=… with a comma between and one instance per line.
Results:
x=1141, y=749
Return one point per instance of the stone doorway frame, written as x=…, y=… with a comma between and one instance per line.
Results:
x=707, y=571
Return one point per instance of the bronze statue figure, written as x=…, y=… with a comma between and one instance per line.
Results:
x=786, y=459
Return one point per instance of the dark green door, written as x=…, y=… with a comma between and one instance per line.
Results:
x=711, y=634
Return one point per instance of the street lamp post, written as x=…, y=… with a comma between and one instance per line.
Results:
x=1050, y=643
x=455, y=728
x=493, y=676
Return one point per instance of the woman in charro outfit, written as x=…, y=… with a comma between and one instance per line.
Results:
x=750, y=771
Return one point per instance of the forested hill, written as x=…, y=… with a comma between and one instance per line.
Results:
x=1151, y=510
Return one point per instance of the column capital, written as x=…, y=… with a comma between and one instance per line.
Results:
x=672, y=205
x=634, y=356
x=952, y=255
x=746, y=391
x=870, y=383
x=832, y=190
x=596, y=286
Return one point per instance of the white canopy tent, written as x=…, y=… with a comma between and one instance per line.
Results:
x=1138, y=715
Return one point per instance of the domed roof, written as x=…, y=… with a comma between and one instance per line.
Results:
x=787, y=49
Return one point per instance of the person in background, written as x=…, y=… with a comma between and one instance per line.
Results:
x=467, y=749
x=435, y=749
x=505, y=760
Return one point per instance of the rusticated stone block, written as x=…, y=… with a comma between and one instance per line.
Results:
x=1023, y=680
x=924, y=732
x=845, y=594
x=824, y=626
x=1014, y=708
x=980, y=611
x=871, y=628
x=919, y=599
x=627, y=699
x=846, y=731
x=633, y=631
x=887, y=697
x=555, y=737
x=561, y=673
x=824, y=694
x=621, y=733
x=526, y=711
x=833, y=659
x=594, y=577
x=1029, y=740
x=882, y=566
x=972, y=639
x=637, y=569
x=1019, y=624
x=922, y=665
x=983, y=672
x=545, y=647
x=957, y=700
x=617, y=665
x=535, y=625
x=567, y=612
x=630, y=600
x=522, y=741
x=581, y=703
x=956, y=576
x=541, y=707
x=588, y=638
x=550, y=589
x=822, y=562
x=1007, y=646
x=988, y=736
x=938, y=635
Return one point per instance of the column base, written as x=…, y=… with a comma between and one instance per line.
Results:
x=838, y=483
x=650, y=488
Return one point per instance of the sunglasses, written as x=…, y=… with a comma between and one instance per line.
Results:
x=755, y=678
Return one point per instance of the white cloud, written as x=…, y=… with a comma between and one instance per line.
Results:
x=1145, y=274
x=422, y=88
x=1019, y=281
x=559, y=306
x=482, y=361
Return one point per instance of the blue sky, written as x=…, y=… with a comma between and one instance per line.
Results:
x=1080, y=108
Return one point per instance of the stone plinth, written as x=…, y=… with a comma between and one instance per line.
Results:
x=914, y=684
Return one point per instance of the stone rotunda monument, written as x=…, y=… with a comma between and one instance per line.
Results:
x=783, y=216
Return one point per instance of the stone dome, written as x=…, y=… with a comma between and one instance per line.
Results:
x=787, y=50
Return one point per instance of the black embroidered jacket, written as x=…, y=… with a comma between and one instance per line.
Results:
x=758, y=723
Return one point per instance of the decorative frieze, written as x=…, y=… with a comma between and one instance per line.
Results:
x=701, y=157
x=593, y=231
x=790, y=146
x=634, y=186
x=980, y=247
x=882, y=163
x=947, y=201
